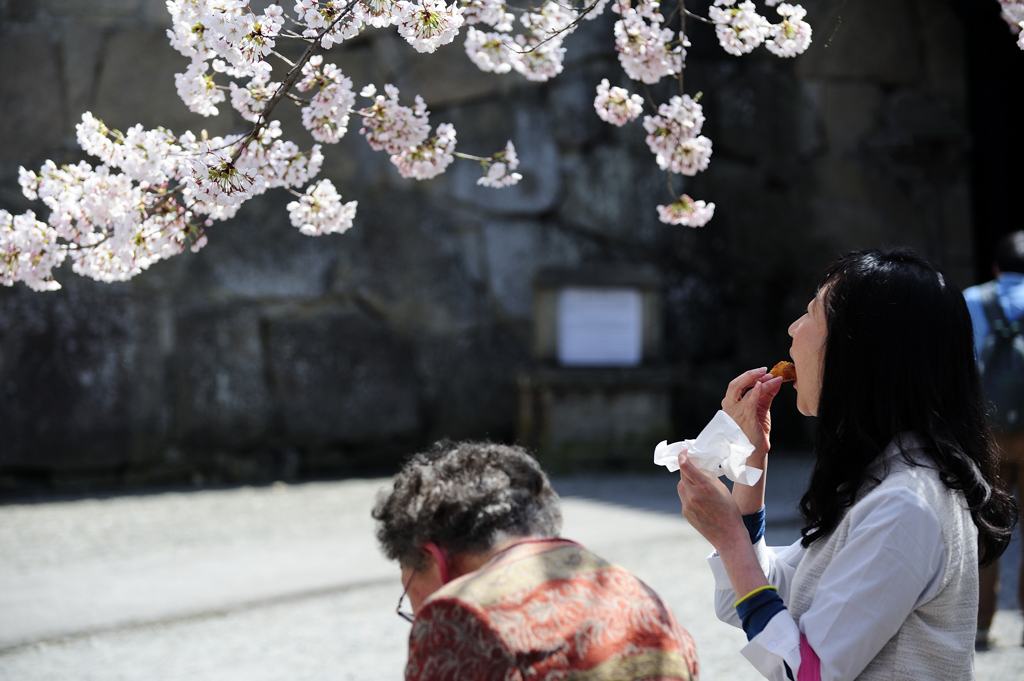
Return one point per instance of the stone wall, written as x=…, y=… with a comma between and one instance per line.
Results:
x=270, y=354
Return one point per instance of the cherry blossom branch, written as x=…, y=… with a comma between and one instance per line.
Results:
x=699, y=17
x=286, y=84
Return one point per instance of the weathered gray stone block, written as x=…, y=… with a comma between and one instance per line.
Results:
x=753, y=110
x=136, y=85
x=515, y=252
x=416, y=74
x=30, y=97
x=342, y=377
x=410, y=267
x=117, y=8
x=587, y=420
x=221, y=394
x=81, y=378
x=860, y=48
x=849, y=112
x=259, y=254
x=605, y=186
x=79, y=52
x=483, y=130
x=942, y=33
x=469, y=381
x=592, y=40
x=572, y=105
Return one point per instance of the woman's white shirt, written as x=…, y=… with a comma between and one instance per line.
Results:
x=891, y=564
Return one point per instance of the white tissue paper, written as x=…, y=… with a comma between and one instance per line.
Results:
x=721, y=449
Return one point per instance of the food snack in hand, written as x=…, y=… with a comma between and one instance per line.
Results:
x=784, y=369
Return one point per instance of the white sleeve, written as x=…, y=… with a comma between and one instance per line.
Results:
x=778, y=565
x=889, y=565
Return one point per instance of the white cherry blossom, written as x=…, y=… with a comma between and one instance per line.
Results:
x=280, y=162
x=739, y=28
x=320, y=211
x=318, y=16
x=153, y=192
x=490, y=51
x=250, y=100
x=326, y=115
x=539, y=60
x=674, y=136
x=687, y=212
x=552, y=18
x=428, y=24
x=596, y=9
x=390, y=126
x=198, y=90
x=498, y=169
x=429, y=159
x=615, y=105
x=28, y=251
x=494, y=13
x=645, y=8
x=259, y=33
x=1013, y=13
x=792, y=36
x=213, y=178
x=644, y=50
x=377, y=13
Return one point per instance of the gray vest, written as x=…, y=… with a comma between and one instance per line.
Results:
x=933, y=640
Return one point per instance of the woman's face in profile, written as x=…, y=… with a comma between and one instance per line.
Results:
x=807, y=352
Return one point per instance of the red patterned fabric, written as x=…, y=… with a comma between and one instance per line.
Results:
x=548, y=610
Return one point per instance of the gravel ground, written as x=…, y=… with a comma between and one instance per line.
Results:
x=285, y=582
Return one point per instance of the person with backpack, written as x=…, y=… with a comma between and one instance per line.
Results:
x=997, y=312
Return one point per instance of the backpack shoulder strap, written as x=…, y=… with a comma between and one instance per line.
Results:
x=990, y=303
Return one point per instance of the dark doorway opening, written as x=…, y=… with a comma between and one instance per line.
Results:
x=995, y=90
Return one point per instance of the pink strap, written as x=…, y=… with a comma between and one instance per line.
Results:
x=810, y=664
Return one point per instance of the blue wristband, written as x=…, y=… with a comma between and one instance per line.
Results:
x=756, y=611
x=755, y=525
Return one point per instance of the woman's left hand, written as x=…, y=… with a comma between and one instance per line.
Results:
x=709, y=507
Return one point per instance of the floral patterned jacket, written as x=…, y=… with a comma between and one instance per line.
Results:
x=543, y=610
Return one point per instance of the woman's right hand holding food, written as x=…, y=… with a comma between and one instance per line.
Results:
x=748, y=400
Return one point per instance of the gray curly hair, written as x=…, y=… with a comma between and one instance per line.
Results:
x=465, y=496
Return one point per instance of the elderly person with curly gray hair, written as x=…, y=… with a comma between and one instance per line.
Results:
x=497, y=595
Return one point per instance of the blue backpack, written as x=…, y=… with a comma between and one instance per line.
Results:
x=1002, y=363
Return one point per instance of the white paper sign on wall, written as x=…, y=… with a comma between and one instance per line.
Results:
x=600, y=326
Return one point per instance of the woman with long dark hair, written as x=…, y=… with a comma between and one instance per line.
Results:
x=902, y=504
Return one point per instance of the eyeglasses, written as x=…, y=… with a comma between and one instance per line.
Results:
x=407, y=616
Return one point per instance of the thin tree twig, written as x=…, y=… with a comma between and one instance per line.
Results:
x=699, y=17
x=839, y=22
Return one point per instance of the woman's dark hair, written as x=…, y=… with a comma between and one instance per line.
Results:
x=464, y=496
x=899, y=359
x=1009, y=253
